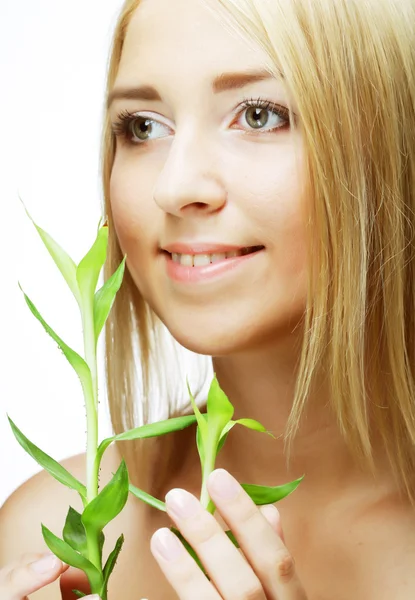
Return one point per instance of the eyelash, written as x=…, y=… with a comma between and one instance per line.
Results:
x=121, y=128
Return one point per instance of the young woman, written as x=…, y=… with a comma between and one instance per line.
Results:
x=259, y=173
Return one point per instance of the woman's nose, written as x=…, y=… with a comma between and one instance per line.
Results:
x=189, y=184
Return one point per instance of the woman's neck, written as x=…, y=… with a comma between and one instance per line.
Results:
x=261, y=386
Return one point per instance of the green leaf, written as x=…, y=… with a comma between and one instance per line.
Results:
x=44, y=460
x=199, y=443
x=232, y=538
x=156, y=429
x=147, y=498
x=219, y=409
x=201, y=421
x=109, y=502
x=87, y=273
x=249, y=423
x=62, y=260
x=68, y=555
x=255, y=425
x=79, y=594
x=147, y=431
x=222, y=440
x=105, y=297
x=76, y=361
x=189, y=549
x=110, y=564
x=262, y=494
x=74, y=532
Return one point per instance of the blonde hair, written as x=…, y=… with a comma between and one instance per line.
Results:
x=350, y=66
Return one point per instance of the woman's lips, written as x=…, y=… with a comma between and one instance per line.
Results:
x=191, y=274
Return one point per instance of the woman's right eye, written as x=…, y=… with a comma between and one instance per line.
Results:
x=135, y=130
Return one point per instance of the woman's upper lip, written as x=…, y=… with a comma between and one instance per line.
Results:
x=201, y=247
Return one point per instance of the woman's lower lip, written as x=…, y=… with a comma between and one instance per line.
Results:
x=186, y=274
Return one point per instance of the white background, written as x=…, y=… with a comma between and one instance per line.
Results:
x=53, y=59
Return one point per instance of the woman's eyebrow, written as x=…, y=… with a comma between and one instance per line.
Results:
x=222, y=83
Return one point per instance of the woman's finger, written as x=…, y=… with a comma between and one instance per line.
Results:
x=28, y=575
x=272, y=515
x=228, y=570
x=263, y=548
x=182, y=572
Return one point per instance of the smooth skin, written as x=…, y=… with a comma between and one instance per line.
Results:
x=267, y=574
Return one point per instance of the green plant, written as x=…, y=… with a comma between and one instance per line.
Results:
x=83, y=536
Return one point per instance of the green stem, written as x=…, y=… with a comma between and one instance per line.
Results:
x=208, y=467
x=92, y=428
x=91, y=405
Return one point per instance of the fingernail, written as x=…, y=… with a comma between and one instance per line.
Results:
x=182, y=504
x=45, y=564
x=223, y=484
x=167, y=544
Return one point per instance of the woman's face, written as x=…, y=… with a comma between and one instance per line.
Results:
x=198, y=168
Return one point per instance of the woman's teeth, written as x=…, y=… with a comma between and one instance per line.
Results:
x=200, y=260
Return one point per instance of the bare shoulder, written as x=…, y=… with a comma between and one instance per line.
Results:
x=43, y=500
x=373, y=551
x=386, y=548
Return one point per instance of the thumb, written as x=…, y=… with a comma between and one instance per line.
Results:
x=272, y=515
x=74, y=579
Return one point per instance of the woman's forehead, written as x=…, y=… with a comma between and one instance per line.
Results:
x=184, y=32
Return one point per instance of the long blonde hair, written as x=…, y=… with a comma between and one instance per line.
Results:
x=350, y=65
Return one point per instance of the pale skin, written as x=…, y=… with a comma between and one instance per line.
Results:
x=206, y=174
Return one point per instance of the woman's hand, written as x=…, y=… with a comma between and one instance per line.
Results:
x=268, y=573
x=30, y=573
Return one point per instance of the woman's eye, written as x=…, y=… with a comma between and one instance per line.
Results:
x=143, y=129
x=258, y=117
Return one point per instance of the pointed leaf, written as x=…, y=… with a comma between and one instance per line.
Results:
x=109, y=502
x=223, y=439
x=199, y=444
x=79, y=594
x=76, y=361
x=156, y=429
x=44, y=460
x=104, y=299
x=147, y=498
x=62, y=260
x=201, y=422
x=74, y=532
x=255, y=425
x=249, y=423
x=262, y=494
x=87, y=273
x=219, y=409
x=68, y=555
x=110, y=564
x=147, y=431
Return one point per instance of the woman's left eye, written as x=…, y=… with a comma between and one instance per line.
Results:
x=256, y=114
